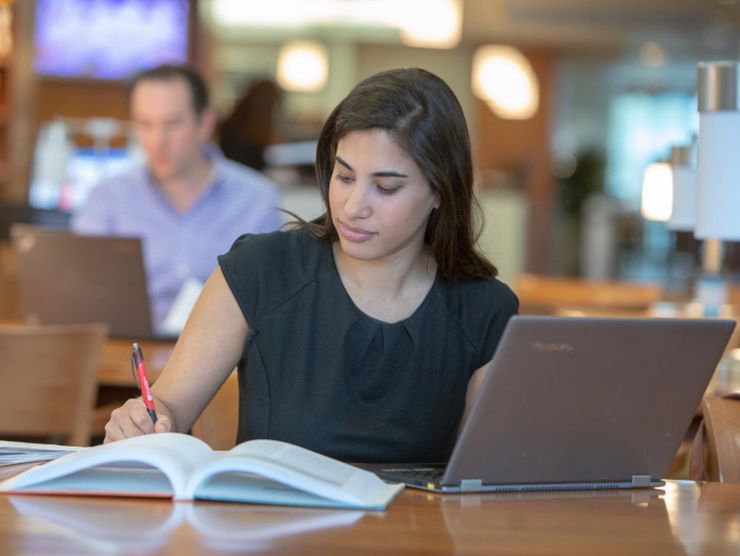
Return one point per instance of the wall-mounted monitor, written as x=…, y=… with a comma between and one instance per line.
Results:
x=108, y=39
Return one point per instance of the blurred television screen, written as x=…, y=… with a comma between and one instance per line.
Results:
x=108, y=39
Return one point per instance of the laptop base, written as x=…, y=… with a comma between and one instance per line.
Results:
x=420, y=478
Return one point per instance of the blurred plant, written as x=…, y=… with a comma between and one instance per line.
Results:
x=586, y=179
x=578, y=179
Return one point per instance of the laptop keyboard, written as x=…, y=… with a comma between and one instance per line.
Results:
x=415, y=475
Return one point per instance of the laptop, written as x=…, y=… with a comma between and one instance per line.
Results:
x=65, y=278
x=573, y=403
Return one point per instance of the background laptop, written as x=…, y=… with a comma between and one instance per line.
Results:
x=580, y=403
x=69, y=278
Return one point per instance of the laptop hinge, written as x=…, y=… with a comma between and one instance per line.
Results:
x=641, y=480
x=471, y=485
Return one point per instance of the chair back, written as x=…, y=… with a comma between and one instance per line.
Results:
x=715, y=454
x=217, y=425
x=10, y=305
x=49, y=380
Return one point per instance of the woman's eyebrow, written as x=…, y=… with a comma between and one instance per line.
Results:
x=343, y=163
x=381, y=174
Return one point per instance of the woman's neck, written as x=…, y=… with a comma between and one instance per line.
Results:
x=390, y=289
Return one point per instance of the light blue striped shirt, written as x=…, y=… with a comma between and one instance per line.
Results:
x=178, y=246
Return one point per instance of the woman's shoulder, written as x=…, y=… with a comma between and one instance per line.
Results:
x=480, y=308
x=484, y=294
x=476, y=304
x=282, y=243
x=265, y=270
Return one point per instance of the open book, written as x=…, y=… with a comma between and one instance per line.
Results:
x=180, y=466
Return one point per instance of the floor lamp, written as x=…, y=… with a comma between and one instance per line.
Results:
x=718, y=173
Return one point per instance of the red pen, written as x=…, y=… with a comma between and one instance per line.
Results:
x=137, y=364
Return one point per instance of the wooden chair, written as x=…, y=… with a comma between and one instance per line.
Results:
x=10, y=308
x=49, y=380
x=715, y=453
x=218, y=423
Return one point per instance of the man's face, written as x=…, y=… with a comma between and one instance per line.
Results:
x=169, y=131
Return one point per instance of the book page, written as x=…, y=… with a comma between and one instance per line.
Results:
x=13, y=453
x=269, y=471
x=149, y=465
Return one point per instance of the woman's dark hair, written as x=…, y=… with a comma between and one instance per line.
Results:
x=423, y=115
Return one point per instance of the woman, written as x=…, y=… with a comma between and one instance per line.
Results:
x=364, y=334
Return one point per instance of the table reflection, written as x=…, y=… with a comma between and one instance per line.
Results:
x=574, y=522
x=704, y=522
x=146, y=525
x=682, y=518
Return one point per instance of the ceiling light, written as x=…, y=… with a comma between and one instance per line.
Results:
x=653, y=55
x=504, y=78
x=440, y=26
x=302, y=66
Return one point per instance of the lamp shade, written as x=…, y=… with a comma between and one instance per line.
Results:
x=657, y=192
x=718, y=152
x=683, y=169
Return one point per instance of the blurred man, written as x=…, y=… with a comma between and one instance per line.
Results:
x=188, y=203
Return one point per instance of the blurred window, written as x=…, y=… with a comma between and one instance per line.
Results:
x=642, y=129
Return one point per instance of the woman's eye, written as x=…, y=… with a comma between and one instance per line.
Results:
x=388, y=189
x=344, y=179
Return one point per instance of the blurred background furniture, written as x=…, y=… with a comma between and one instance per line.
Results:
x=542, y=294
x=716, y=449
x=218, y=423
x=9, y=297
x=115, y=361
x=49, y=377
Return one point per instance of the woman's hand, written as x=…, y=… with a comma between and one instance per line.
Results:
x=132, y=419
x=206, y=352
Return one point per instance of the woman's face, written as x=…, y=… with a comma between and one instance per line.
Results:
x=380, y=201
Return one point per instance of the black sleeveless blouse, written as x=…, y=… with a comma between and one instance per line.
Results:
x=318, y=372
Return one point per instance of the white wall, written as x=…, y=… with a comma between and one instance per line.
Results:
x=504, y=236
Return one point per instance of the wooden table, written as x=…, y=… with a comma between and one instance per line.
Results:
x=543, y=294
x=683, y=518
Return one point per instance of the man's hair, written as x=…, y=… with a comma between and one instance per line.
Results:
x=422, y=114
x=170, y=72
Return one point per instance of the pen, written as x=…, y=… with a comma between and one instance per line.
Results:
x=137, y=364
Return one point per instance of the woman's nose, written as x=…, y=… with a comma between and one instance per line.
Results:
x=358, y=202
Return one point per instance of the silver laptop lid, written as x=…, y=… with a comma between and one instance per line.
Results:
x=586, y=400
x=68, y=278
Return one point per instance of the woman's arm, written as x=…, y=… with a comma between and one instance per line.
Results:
x=206, y=352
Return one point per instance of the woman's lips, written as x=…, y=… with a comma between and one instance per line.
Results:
x=354, y=234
